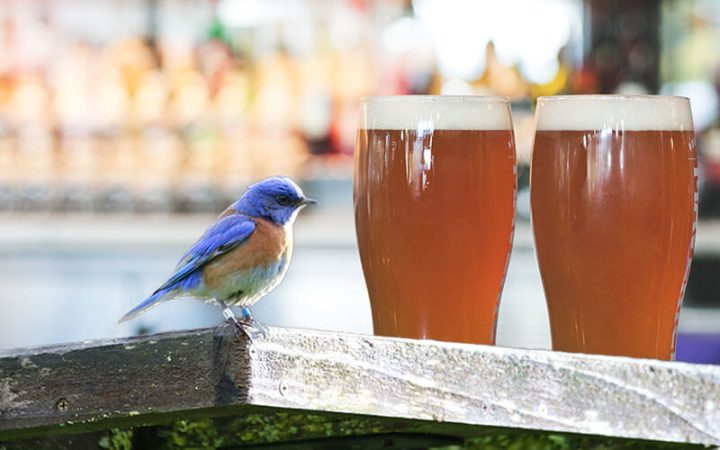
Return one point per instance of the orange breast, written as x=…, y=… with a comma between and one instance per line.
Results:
x=265, y=246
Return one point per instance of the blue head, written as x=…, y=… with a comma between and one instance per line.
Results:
x=277, y=199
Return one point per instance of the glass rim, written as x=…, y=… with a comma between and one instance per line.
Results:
x=611, y=97
x=414, y=98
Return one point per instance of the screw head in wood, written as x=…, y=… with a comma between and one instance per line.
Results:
x=62, y=405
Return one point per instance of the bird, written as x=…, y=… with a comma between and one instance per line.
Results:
x=242, y=256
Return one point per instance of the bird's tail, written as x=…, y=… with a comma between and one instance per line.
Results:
x=145, y=305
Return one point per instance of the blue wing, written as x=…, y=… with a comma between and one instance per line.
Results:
x=223, y=236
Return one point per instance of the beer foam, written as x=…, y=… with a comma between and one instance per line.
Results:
x=617, y=112
x=445, y=112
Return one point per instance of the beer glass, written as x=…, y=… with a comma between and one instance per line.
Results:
x=614, y=205
x=434, y=191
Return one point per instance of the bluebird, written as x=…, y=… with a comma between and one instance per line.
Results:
x=241, y=257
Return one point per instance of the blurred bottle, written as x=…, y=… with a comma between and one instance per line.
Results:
x=231, y=116
x=275, y=144
x=499, y=78
x=315, y=98
x=32, y=160
x=555, y=85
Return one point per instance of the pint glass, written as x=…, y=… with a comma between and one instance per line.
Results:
x=614, y=206
x=434, y=191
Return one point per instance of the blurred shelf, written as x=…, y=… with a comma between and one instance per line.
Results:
x=700, y=320
x=707, y=240
x=63, y=232
x=331, y=227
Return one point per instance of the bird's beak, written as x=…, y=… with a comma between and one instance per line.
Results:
x=309, y=201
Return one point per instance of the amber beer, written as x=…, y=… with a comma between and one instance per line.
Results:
x=434, y=207
x=614, y=202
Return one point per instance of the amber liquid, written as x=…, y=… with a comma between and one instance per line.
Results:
x=614, y=220
x=434, y=216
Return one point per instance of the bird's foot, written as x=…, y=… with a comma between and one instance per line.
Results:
x=249, y=326
x=253, y=326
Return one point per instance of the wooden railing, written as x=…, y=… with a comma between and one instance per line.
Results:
x=307, y=389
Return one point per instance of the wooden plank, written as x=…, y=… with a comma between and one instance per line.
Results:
x=432, y=386
x=95, y=381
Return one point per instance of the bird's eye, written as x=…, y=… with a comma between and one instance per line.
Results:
x=284, y=200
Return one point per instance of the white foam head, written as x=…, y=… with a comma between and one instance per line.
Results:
x=444, y=112
x=617, y=112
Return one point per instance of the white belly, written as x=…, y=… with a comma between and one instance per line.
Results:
x=245, y=287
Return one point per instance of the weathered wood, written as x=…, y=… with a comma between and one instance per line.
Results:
x=414, y=386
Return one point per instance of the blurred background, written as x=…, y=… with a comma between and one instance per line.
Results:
x=126, y=125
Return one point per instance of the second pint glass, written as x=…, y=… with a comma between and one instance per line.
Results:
x=613, y=193
x=434, y=208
